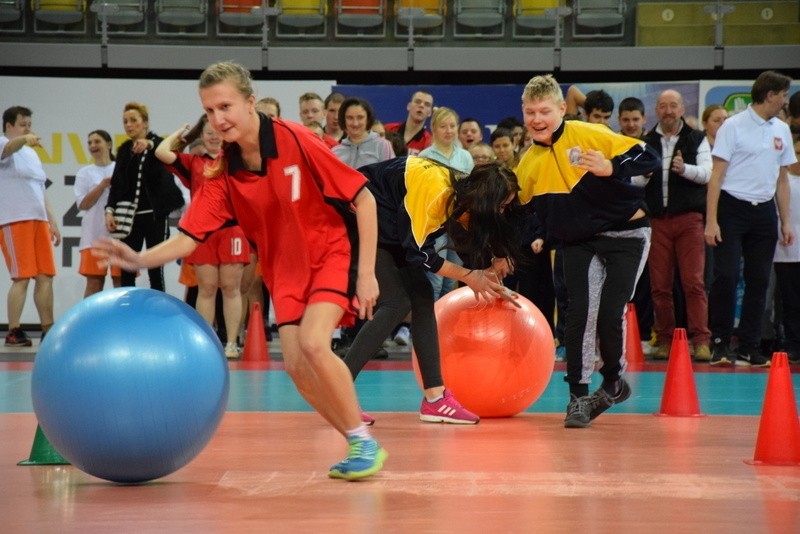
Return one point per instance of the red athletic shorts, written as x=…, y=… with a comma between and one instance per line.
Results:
x=226, y=245
x=27, y=249
x=332, y=281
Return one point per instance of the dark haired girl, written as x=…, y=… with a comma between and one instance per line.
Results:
x=419, y=199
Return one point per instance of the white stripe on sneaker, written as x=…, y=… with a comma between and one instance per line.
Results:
x=446, y=410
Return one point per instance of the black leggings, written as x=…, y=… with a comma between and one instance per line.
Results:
x=402, y=289
x=149, y=228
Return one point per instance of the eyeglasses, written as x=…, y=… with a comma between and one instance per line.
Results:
x=481, y=158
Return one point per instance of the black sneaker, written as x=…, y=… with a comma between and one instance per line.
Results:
x=16, y=337
x=380, y=354
x=577, y=412
x=750, y=356
x=600, y=400
x=721, y=353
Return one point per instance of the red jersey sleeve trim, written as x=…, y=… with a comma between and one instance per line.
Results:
x=199, y=240
x=358, y=192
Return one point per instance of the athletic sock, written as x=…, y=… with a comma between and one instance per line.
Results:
x=360, y=432
x=579, y=390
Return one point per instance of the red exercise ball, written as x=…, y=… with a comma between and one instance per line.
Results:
x=496, y=358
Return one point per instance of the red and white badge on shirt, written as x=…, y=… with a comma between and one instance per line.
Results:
x=778, y=142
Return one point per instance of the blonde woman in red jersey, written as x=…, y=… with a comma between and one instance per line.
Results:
x=302, y=208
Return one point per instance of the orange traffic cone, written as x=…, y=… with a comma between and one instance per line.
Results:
x=778, y=440
x=255, y=342
x=680, y=393
x=633, y=340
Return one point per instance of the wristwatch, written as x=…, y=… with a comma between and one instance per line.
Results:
x=110, y=210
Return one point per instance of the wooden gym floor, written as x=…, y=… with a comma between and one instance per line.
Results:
x=265, y=469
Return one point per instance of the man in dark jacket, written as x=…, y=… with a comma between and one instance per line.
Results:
x=675, y=196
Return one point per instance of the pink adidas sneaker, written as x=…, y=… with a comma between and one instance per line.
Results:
x=367, y=419
x=446, y=410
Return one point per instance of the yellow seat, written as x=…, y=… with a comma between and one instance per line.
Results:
x=302, y=18
x=694, y=23
x=422, y=15
x=59, y=16
x=534, y=13
x=61, y=12
x=777, y=34
x=674, y=24
x=537, y=19
x=769, y=12
x=762, y=23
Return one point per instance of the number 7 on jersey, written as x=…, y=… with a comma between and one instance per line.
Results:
x=294, y=172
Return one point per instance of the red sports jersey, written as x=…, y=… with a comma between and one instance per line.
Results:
x=418, y=143
x=296, y=210
x=189, y=169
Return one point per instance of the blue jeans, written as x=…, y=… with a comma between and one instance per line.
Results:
x=441, y=285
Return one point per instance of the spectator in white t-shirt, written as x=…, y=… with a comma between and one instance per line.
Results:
x=91, y=194
x=28, y=228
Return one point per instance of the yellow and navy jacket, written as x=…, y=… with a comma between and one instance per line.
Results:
x=412, y=195
x=573, y=204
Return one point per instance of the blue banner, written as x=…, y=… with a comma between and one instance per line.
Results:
x=491, y=103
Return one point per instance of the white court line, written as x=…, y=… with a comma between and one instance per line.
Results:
x=464, y=484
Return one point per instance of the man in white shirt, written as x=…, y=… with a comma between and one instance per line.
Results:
x=752, y=152
x=676, y=198
x=27, y=226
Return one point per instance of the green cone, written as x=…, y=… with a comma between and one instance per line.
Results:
x=42, y=453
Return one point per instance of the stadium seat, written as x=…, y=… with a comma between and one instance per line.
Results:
x=479, y=18
x=536, y=19
x=425, y=16
x=59, y=16
x=122, y=16
x=361, y=19
x=598, y=19
x=302, y=18
x=11, y=11
x=240, y=18
x=774, y=22
x=182, y=17
x=753, y=23
x=674, y=24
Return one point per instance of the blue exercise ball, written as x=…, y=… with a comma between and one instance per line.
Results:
x=130, y=384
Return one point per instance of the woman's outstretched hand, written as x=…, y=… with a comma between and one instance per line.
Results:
x=110, y=251
x=486, y=285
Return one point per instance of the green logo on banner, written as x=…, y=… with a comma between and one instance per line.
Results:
x=737, y=102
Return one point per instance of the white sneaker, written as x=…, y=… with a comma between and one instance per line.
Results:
x=232, y=351
x=403, y=336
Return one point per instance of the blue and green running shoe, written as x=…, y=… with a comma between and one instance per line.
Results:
x=365, y=458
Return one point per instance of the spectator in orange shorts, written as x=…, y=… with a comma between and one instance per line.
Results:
x=28, y=228
x=91, y=194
